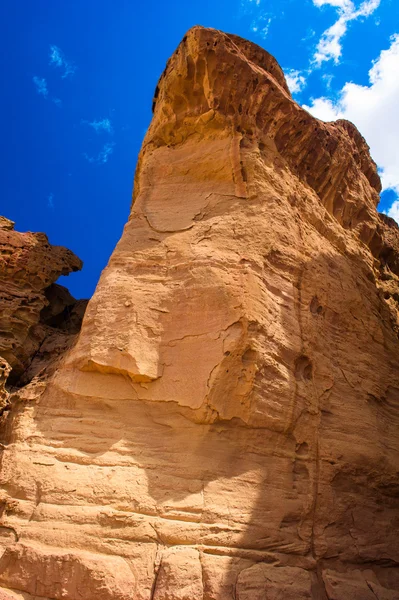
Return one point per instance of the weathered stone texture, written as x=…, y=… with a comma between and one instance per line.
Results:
x=29, y=266
x=226, y=425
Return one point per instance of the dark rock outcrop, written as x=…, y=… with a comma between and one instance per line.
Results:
x=33, y=309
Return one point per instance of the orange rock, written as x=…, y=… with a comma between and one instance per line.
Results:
x=226, y=425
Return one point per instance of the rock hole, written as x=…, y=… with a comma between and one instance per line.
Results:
x=302, y=449
x=315, y=306
x=290, y=520
x=249, y=356
x=303, y=369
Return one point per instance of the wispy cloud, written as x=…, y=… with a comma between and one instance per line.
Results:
x=103, y=156
x=261, y=25
x=105, y=153
x=329, y=46
x=295, y=81
x=41, y=86
x=42, y=89
x=57, y=59
x=50, y=200
x=102, y=126
x=327, y=78
x=261, y=19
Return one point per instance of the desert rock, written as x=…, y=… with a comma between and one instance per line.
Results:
x=226, y=425
x=29, y=266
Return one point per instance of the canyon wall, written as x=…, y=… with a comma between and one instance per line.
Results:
x=225, y=425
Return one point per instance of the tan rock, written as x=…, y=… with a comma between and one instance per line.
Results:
x=55, y=574
x=179, y=576
x=356, y=585
x=264, y=582
x=226, y=425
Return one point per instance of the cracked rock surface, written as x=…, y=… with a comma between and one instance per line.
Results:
x=226, y=424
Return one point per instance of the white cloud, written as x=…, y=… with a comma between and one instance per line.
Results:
x=103, y=156
x=373, y=109
x=261, y=25
x=295, y=81
x=343, y=4
x=394, y=211
x=104, y=125
x=330, y=43
x=41, y=86
x=105, y=153
x=327, y=78
x=42, y=90
x=329, y=46
x=325, y=109
x=50, y=200
x=56, y=56
x=261, y=19
x=57, y=59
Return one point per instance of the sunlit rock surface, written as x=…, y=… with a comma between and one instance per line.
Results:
x=226, y=425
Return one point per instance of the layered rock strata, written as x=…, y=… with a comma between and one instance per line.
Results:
x=226, y=425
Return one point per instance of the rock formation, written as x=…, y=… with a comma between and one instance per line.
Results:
x=37, y=316
x=226, y=425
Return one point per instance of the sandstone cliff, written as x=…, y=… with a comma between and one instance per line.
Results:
x=226, y=426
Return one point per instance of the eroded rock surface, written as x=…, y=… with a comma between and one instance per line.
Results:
x=29, y=266
x=226, y=425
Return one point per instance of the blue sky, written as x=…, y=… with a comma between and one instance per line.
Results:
x=79, y=75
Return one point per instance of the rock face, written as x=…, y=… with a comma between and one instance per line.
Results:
x=30, y=301
x=226, y=425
